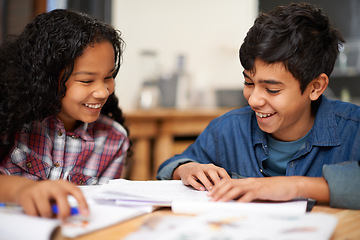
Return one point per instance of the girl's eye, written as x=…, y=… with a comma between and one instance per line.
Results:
x=86, y=82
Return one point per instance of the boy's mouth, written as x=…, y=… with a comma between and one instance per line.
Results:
x=264, y=115
x=94, y=106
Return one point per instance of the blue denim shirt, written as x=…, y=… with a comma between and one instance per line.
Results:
x=235, y=142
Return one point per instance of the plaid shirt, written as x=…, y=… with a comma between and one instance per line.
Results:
x=92, y=154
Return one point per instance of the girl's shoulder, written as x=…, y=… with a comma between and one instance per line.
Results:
x=108, y=124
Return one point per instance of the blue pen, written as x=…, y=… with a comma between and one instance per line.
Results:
x=73, y=210
x=54, y=208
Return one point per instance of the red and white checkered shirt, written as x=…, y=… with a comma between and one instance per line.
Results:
x=93, y=154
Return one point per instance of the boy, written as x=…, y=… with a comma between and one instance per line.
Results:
x=289, y=131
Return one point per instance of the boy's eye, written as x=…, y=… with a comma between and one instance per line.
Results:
x=272, y=91
x=248, y=83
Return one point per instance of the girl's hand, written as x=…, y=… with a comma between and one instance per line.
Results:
x=270, y=188
x=200, y=176
x=37, y=197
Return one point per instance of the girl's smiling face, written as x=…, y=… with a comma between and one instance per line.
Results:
x=275, y=96
x=89, y=85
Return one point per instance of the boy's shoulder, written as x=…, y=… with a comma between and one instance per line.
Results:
x=345, y=110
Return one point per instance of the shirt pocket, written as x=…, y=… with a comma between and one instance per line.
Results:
x=30, y=164
x=82, y=179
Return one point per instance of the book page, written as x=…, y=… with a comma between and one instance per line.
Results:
x=19, y=226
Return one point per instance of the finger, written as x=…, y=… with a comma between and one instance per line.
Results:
x=214, y=177
x=220, y=190
x=195, y=184
x=29, y=207
x=80, y=198
x=247, y=197
x=63, y=206
x=232, y=194
x=42, y=204
x=203, y=178
x=223, y=174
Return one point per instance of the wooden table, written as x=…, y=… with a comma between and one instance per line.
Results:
x=155, y=135
x=348, y=226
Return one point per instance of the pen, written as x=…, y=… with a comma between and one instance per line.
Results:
x=73, y=210
x=54, y=208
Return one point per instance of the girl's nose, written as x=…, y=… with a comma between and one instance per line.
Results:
x=101, y=91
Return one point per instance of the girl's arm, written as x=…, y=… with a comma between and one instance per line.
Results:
x=36, y=197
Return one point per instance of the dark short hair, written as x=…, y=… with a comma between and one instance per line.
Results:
x=298, y=35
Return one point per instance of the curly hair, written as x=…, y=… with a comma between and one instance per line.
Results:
x=299, y=35
x=32, y=63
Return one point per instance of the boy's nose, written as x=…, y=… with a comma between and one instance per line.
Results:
x=256, y=99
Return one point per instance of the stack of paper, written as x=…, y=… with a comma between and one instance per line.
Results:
x=181, y=198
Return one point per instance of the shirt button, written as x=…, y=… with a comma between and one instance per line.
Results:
x=28, y=165
x=60, y=133
x=57, y=164
x=74, y=137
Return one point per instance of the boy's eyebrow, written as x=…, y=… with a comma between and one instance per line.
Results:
x=269, y=81
x=245, y=75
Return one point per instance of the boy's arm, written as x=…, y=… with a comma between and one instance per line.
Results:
x=344, y=184
x=36, y=197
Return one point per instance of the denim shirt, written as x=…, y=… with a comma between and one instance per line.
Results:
x=235, y=142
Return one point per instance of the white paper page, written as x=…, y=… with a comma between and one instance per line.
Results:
x=156, y=191
x=280, y=208
x=20, y=226
x=100, y=217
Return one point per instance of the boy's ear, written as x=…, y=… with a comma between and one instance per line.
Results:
x=318, y=86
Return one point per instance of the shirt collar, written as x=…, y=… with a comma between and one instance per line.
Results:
x=84, y=131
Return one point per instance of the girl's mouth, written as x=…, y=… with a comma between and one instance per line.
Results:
x=94, y=106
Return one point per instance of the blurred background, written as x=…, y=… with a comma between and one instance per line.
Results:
x=181, y=66
x=184, y=53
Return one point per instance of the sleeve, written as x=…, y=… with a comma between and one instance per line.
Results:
x=344, y=184
x=202, y=151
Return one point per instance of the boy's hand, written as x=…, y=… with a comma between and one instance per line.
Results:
x=37, y=197
x=270, y=188
x=249, y=189
x=200, y=176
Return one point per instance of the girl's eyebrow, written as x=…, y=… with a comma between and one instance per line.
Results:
x=269, y=81
x=90, y=73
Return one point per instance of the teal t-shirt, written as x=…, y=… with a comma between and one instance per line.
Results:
x=280, y=154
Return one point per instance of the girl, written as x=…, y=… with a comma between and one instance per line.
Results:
x=59, y=117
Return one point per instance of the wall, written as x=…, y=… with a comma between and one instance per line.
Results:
x=207, y=32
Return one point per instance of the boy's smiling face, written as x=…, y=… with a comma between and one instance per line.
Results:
x=275, y=96
x=89, y=85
